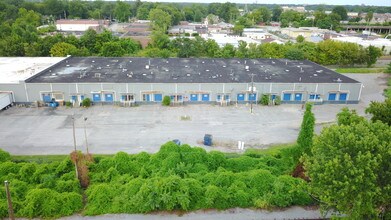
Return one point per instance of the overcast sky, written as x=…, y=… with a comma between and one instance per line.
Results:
x=312, y=2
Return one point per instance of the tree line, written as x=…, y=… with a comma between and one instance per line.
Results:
x=20, y=37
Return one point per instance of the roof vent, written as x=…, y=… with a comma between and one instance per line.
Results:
x=188, y=74
x=93, y=61
x=207, y=70
x=286, y=70
x=166, y=70
x=339, y=80
x=144, y=74
x=315, y=74
x=247, y=67
x=99, y=68
x=147, y=67
x=300, y=79
x=130, y=61
x=273, y=62
x=203, y=61
x=319, y=71
x=224, y=66
x=68, y=65
x=107, y=65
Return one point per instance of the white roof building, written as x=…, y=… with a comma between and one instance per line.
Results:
x=378, y=42
x=16, y=69
x=224, y=39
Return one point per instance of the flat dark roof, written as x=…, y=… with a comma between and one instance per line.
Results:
x=186, y=70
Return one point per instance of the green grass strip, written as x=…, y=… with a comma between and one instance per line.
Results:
x=360, y=70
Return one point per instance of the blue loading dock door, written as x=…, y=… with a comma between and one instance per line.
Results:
x=252, y=97
x=332, y=96
x=314, y=97
x=46, y=98
x=298, y=96
x=158, y=97
x=343, y=96
x=226, y=97
x=193, y=97
x=109, y=97
x=287, y=96
x=240, y=97
x=146, y=98
x=205, y=97
x=96, y=97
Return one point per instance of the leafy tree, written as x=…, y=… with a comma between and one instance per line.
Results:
x=261, y=14
x=369, y=17
x=228, y=51
x=290, y=16
x=122, y=11
x=63, y=49
x=276, y=13
x=294, y=54
x=77, y=9
x=300, y=39
x=242, y=51
x=372, y=54
x=306, y=134
x=160, y=20
x=4, y=156
x=380, y=111
x=166, y=101
x=238, y=29
x=341, y=11
x=112, y=49
x=350, y=169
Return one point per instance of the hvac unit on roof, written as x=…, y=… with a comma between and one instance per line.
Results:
x=97, y=75
x=147, y=67
x=247, y=67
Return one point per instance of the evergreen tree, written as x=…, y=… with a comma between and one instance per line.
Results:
x=304, y=140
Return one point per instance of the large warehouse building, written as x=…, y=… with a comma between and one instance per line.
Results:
x=193, y=80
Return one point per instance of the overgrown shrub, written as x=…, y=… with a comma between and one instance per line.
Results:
x=189, y=178
x=166, y=101
x=277, y=100
x=4, y=156
x=86, y=102
x=265, y=99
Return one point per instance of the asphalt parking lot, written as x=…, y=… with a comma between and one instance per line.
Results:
x=38, y=131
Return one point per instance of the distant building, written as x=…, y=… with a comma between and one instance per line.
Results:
x=365, y=41
x=298, y=9
x=81, y=25
x=224, y=39
x=256, y=33
x=306, y=32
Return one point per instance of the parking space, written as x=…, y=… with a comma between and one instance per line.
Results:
x=110, y=129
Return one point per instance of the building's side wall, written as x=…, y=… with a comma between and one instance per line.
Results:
x=299, y=92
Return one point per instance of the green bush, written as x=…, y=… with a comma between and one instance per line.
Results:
x=265, y=99
x=68, y=104
x=277, y=100
x=166, y=100
x=47, y=203
x=86, y=102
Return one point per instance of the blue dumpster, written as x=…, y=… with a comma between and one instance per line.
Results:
x=208, y=140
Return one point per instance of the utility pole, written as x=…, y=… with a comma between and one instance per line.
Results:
x=252, y=93
x=10, y=209
x=74, y=144
x=85, y=134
